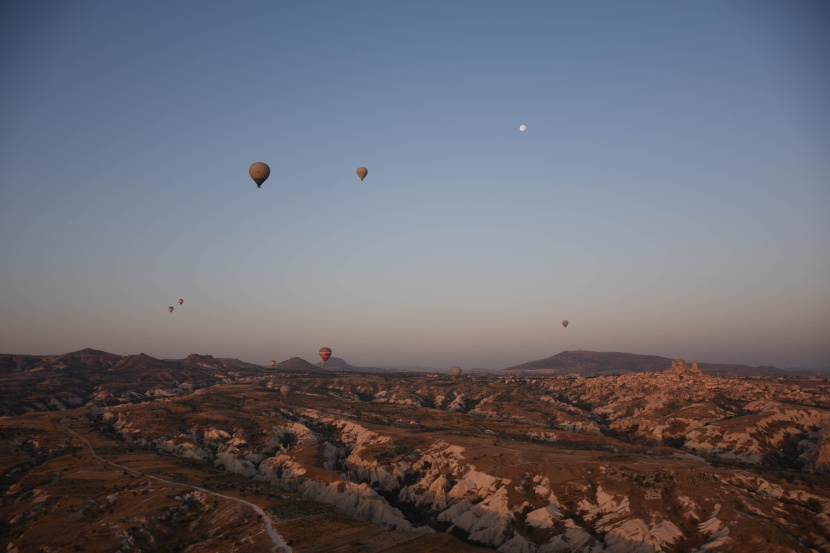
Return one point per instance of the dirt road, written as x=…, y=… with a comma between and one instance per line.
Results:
x=279, y=543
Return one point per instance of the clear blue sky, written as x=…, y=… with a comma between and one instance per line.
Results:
x=670, y=196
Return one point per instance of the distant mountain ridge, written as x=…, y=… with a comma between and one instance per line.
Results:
x=55, y=382
x=295, y=364
x=89, y=358
x=340, y=364
x=298, y=364
x=598, y=363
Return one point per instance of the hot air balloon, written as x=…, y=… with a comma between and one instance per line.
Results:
x=170, y=308
x=285, y=389
x=259, y=172
x=362, y=172
x=273, y=363
x=455, y=372
x=325, y=353
x=522, y=128
x=181, y=301
x=565, y=323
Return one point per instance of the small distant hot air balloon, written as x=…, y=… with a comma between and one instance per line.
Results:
x=362, y=172
x=565, y=323
x=181, y=301
x=170, y=309
x=285, y=389
x=455, y=372
x=522, y=128
x=259, y=172
x=273, y=363
x=325, y=353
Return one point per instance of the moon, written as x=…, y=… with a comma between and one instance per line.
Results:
x=523, y=128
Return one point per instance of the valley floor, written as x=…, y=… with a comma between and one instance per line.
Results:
x=398, y=463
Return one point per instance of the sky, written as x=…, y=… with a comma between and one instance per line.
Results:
x=670, y=195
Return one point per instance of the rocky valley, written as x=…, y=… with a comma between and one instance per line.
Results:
x=137, y=454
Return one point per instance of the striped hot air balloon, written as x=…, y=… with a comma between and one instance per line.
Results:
x=325, y=353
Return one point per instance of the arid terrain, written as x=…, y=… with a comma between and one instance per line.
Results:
x=107, y=453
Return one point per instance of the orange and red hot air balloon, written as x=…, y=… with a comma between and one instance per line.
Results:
x=362, y=172
x=325, y=353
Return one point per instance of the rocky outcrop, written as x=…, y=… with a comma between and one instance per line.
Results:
x=358, y=500
x=363, y=460
x=760, y=434
x=814, y=450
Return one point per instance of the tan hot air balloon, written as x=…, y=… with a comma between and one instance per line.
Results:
x=325, y=353
x=362, y=172
x=181, y=301
x=565, y=323
x=273, y=363
x=285, y=389
x=170, y=308
x=259, y=172
x=455, y=372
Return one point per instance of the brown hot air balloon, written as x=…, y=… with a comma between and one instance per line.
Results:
x=273, y=363
x=170, y=308
x=565, y=323
x=181, y=301
x=285, y=389
x=259, y=172
x=325, y=353
x=362, y=172
x=455, y=372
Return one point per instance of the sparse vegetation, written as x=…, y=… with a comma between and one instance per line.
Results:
x=497, y=436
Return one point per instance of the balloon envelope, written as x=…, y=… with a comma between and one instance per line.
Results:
x=170, y=308
x=325, y=353
x=273, y=363
x=455, y=372
x=523, y=128
x=181, y=301
x=362, y=172
x=285, y=389
x=565, y=324
x=259, y=172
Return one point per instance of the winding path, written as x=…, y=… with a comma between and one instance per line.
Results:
x=279, y=543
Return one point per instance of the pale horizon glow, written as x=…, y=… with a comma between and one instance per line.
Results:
x=673, y=197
